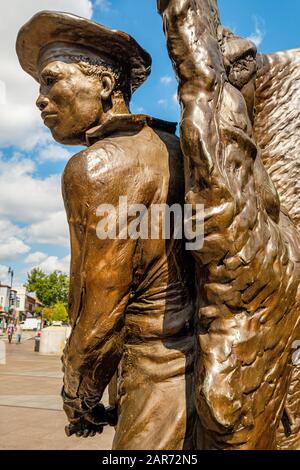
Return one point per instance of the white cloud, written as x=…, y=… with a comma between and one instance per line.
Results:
x=7, y=230
x=51, y=230
x=104, y=5
x=136, y=109
x=166, y=80
x=2, y=93
x=54, y=153
x=4, y=277
x=258, y=35
x=47, y=263
x=53, y=263
x=171, y=101
x=163, y=103
x=25, y=198
x=11, y=241
x=12, y=247
x=36, y=258
x=20, y=123
x=175, y=98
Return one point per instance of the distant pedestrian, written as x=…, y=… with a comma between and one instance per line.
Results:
x=10, y=331
x=19, y=331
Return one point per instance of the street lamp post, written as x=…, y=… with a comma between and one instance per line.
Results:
x=11, y=272
x=10, y=302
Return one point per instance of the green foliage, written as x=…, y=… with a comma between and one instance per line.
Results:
x=50, y=288
x=60, y=313
x=38, y=310
x=47, y=314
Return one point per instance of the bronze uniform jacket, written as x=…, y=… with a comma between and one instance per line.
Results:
x=131, y=301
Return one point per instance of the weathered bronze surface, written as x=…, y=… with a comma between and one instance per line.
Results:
x=248, y=272
x=139, y=322
x=277, y=124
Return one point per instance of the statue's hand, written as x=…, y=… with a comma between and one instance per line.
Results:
x=90, y=424
x=87, y=420
x=83, y=429
x=93, y=421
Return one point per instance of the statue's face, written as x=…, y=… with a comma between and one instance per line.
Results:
x=69, y=101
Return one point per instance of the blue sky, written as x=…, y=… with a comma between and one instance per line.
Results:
x=32, y=223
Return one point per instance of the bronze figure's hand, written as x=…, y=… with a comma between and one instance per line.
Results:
x=91, y=422
x=82, y=429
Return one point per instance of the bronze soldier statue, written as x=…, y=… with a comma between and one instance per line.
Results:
x=131, y=300
x=248, y=271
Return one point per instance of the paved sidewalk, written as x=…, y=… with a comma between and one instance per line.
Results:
x=31, y=415
x=26, y=335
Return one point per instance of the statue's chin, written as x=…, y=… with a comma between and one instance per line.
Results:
x=67, y=139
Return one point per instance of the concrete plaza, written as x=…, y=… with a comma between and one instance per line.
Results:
x=31, y=415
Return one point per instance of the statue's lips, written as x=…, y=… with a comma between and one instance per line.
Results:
x=49, y=118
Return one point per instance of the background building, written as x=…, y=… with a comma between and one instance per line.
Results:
x=4, y=298
x=17, y=303
x=8, y=302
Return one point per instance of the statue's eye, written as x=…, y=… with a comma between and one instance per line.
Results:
x=49, y=80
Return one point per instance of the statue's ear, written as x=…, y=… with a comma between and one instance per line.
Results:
x=108, y=83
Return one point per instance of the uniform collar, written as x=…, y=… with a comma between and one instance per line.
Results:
x=122, y=123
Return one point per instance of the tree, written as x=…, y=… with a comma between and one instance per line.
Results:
x=38, y=311
x=59, y=313
x=48, y=314
x=50, y=288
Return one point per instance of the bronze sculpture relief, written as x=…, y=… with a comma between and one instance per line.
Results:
x=248, y=270
x=192, y=365
x=277, y=124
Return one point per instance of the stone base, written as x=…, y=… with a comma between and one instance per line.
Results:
x=53, y=339
x=2, y=352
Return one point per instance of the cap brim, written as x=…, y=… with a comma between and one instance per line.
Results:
x=48, y=27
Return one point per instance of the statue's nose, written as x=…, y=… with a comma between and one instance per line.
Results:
x=42, y=102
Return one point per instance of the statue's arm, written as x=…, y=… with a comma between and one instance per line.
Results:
x=100, y=294
x=194, y=52
x=216, y=133
x=95, y=346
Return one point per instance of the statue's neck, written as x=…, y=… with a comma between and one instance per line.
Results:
x=116, y=106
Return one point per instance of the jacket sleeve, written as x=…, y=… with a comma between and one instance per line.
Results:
x=99, y=290
x=95, y=346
